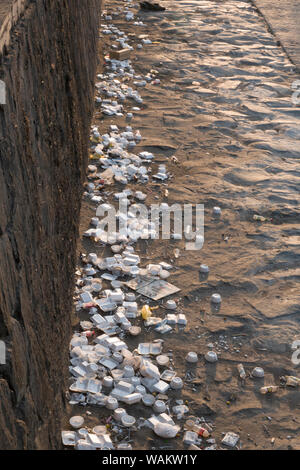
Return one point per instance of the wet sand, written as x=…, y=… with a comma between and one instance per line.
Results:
x=224, y=109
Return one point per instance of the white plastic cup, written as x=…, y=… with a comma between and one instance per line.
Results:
x=191, y=357
x=176, y=383
x=211, y=356
x=135, y=381
x=148, y=399
x=118, y=413
x=171, y=305
x=108, y=382
x=159, y=406
x=112, y=403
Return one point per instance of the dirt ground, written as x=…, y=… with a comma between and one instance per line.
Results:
x=224, y=109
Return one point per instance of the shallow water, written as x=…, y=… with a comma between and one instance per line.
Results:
x=224, y=109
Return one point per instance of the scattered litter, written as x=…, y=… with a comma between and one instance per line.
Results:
x=211, y=356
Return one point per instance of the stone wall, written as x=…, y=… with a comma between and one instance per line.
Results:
x=48, y=66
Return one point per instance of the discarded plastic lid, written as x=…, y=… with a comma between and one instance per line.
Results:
x=191, y=357
x=216, y=298
x=176, y=383
x=211, y=356
x=258, y=372
x=127, y=420
x=76, y=422
x=204, y=268
x=148, y=399
x=162, y=360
